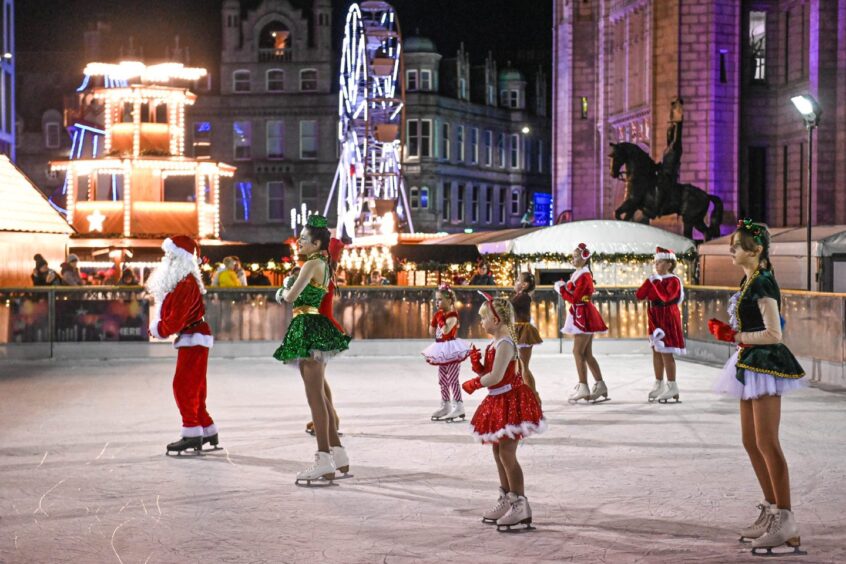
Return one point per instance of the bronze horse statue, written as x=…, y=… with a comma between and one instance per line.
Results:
x=648, y=191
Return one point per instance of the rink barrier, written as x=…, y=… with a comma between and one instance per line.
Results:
x=54, y=322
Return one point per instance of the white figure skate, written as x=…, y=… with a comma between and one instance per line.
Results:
x=599, y=393
x=782, y=533
x=442, y=412
x=580, y=392
x=760, y=526
x=671, y=394
x=497, y=511
x=658, y=388
x=456, y=413
x=518, y=514
x=340, y=461
x=322, y=472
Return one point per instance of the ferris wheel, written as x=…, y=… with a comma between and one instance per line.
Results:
x=371, y=194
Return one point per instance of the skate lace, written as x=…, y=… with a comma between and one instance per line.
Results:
x=763, y=515
x=775, y=524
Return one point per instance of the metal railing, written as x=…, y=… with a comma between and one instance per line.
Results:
x=816, y=322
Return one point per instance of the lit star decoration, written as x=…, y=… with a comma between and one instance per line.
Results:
x=95, y=221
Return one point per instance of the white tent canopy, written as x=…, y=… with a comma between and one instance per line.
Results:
x=605, y=237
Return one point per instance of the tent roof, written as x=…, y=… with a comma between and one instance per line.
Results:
x=601, y=236
x=479, y=237
x=826, y=240
x=24, y=207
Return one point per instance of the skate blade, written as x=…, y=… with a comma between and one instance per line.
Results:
x=516, y=528
x=669, y=401
x=791, y=548
x=575, y=402
x=489, y=521
x=456, y=420
x=178, y=453
x=311, y=432
x=344, y=476
x=316, y=483
x=598, y=400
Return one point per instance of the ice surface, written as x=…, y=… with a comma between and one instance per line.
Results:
x=84, y=478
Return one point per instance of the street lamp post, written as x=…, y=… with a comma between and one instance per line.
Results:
x=810, y=110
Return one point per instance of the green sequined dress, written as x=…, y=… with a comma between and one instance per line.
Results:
x=310, y=334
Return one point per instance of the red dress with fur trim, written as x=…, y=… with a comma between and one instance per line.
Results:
x=584, y=317
x=447, y=348
x=664, y=293
x=511, y=409
x=181, y=313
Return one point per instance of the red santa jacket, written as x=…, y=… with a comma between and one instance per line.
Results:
x=661, y=290
x=181, y=313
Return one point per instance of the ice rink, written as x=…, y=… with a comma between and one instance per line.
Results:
x=84, y=478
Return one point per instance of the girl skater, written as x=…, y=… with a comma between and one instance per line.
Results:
x=447, y=353
x=526, y=333
x=311, y=340
x=665, y=292
x=583, y=322
x=758, y=374
x=509, y=413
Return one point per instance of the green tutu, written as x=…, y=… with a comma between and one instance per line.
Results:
x=311, y=332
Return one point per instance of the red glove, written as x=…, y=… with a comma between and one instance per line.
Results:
x=471, y=386
x=437, y=319
x=476, y=361
x=721, y=330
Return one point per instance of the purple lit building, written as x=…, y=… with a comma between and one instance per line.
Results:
x=619, y=63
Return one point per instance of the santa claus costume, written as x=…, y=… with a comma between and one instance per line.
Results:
x=177, y=288
x=665, y=292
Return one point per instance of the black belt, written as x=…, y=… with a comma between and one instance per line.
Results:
x=192, y=325
x=661, y=303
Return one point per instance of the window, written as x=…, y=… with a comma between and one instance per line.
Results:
x=488, y=147
x=308, y=80
x=500, y=148
x=308, y=139
x=459, y=202
x=425, y=137
x=474, y=145
x=202, y=139
x=419, y=134
x=515, y=150
x=52, y=139
x=242, y=134
x=527, y=154
x=243, y=201
x=445, y=141
x=758, y=45
x=491, y=95
x=488, y=204
x=275, y=139
x=446, y=203
x=309, y=195
x=540, y=155
x=241, y=81
x=323, y=20
x=459, y=140
x=515, y=201
x=275, y=80
x=502, y=205
x=419, y=198
x=424, y=197
x=462, y=88
x=513, y=98
x=583, y=107
x=276, y=201
x=411, y=79
x=414, y=197
x=474, y=204
x=426, y=80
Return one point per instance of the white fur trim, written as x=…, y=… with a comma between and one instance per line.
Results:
x=210, y=430
x=525, y=429
x=656, y=339
x=577, y=273
x=193, y=340
x=169, y=246
x=571, y=329
x=665, y=256
x=192, y=431
x=154, y=327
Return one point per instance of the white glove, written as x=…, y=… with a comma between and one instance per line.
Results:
x=279, y=298
x=654, y=278
x=558, y=286
x=288, y=282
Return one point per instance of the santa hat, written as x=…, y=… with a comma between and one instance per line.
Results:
x=664, y=254
x=181, y=246
x=584, y=251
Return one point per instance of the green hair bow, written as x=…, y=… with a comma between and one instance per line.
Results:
x=317, y=221
x=755, y=229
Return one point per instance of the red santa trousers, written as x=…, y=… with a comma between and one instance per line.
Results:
x=189, y=389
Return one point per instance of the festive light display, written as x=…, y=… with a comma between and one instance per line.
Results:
x=126, y=70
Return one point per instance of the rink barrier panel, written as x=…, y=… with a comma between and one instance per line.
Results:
x=111, y=322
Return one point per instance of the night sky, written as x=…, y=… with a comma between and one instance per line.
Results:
x=518, y=30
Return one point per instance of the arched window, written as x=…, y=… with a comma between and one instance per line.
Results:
x=241, y=81
x=308, y=80
x=51, y=127
x=274, y=42
x=275, y=80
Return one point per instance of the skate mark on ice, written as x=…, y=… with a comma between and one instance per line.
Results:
x=42, y=460
x=125, y=505
x=105, y=446
x=113, y=538
x=229, y=460
x=143, y=506
x=148, y=558
x=40, y=508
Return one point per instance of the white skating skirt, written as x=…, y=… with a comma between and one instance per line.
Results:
x=571, y=329
x=446, y=352
x=756, y=384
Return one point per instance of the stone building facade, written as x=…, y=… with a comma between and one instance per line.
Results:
x=619, y=63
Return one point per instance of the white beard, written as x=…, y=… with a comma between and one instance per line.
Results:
x=172, y=270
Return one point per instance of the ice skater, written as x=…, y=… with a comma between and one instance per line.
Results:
x=665, y=292
x=583, y=322
x=447, y=353
x=312, y=338
x=526, y=333
x=761, y=371
x=511, y=412
x=177, y=289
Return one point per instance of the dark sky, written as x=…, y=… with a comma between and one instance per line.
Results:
x=513, y=29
